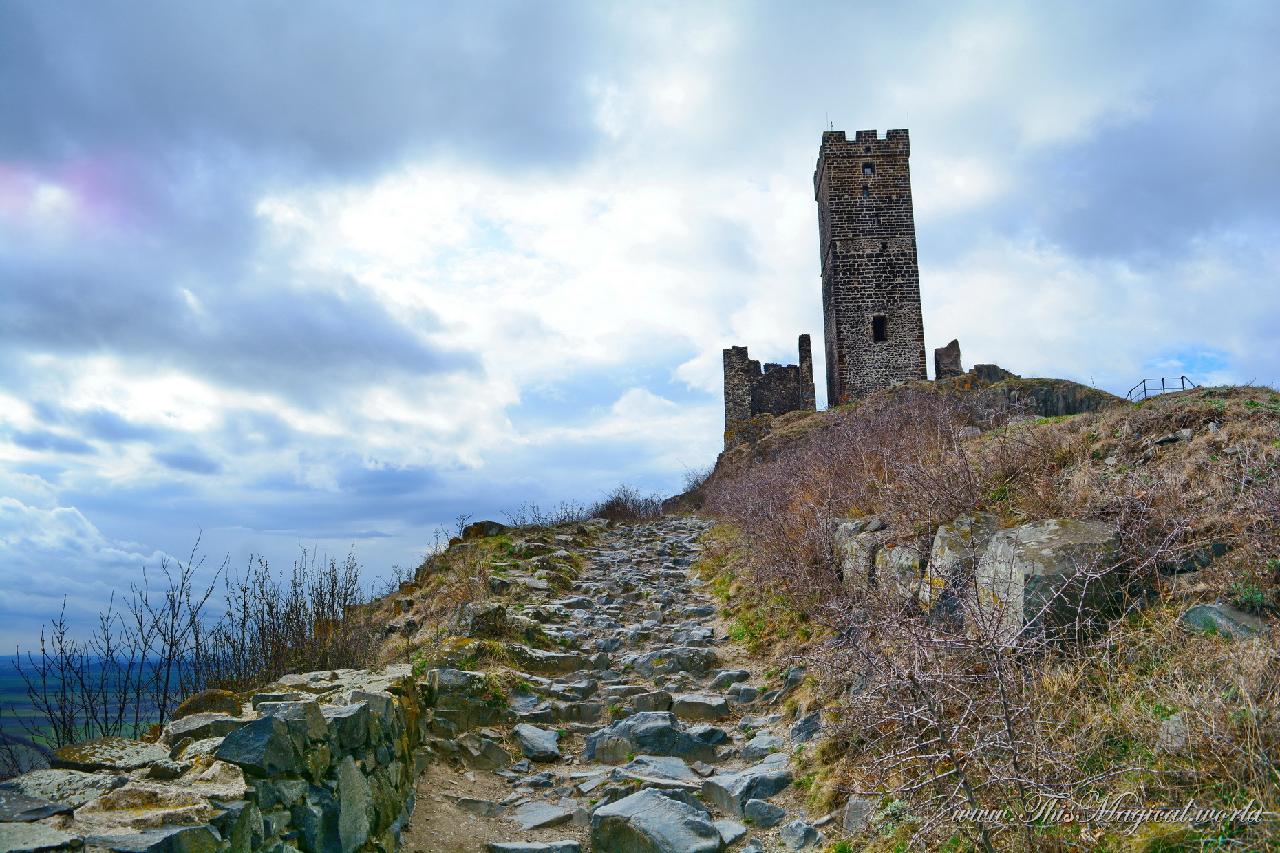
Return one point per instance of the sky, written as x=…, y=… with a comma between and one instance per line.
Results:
x=329, y=276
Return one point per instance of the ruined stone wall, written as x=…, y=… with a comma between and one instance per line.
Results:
x=870, y=278
x=774, y=389
x=323, y=762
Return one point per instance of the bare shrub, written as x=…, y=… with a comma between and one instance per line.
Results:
x=1002, y=722
x=626, y=503
x=529, y=514
x=144, y=657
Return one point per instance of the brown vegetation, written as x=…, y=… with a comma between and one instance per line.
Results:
x=936, y=717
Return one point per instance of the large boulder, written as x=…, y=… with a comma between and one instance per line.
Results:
x=536, y=743
x=208, y=702
x=691, y=659
x=261, y=748
x=1046, y=579
x=651, y=822
x=957, y=547
x=946, y=361
x=900, y=569
x=731, y=791
x=481, y=529
x=856, y=544
x=649, y=733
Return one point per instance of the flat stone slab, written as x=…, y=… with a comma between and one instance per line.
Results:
x=533, y=847
x=538, y=814
x=72, y=787
x=108, y=753
x=35, y=838
x=661, y=766
x=15, y=806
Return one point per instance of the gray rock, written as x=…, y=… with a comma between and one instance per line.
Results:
x=1174, y=735
x=650, y=733
x=726, y=677
x=167, y=839
x=1047, y=578
x=108, y=753
x=699, y=706
x=537, y=744
x=730, y=791
x=201, y=726
x=1222, y=618
x=479, y=808
x=355, y=806
x=35, y=838
x=900, y=569
x=533, y=847
x=482, y=752
x=953, y=559
x=168, y=769
x=652, y=822
x=261, y=748
x=806, y=728
x=72, y=787
x=730, y=830
x=764, y=743
x=306, y=720
x=538, y=814
x=657, y=700
x=661, y=767
x=349, y=722
x=763, y=814
x=755, y=845
x=856, y=814
x=946, y=361
x=798, y=835
x=691, y=659
x=548, y=663
x=15, y=806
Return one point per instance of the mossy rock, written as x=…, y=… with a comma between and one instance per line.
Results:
x=208, y=702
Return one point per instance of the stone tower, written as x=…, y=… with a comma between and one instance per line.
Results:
x=870, y=281
x=776, y=389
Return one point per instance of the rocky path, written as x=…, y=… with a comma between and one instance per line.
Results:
x=646, y=733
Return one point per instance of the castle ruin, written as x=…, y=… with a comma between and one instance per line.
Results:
x=872, y=320
x=775, y=389
x=870, y=279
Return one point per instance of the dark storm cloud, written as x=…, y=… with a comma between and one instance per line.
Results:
x=335, y=86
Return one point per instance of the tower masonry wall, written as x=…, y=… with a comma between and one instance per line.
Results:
x=872, y=318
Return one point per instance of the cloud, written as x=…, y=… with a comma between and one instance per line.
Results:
x=60, y=554
x=335, y=278
x=190, y=460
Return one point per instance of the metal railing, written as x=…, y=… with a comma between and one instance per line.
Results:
x=1148, y=387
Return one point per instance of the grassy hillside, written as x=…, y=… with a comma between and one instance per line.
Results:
x=922, y=714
